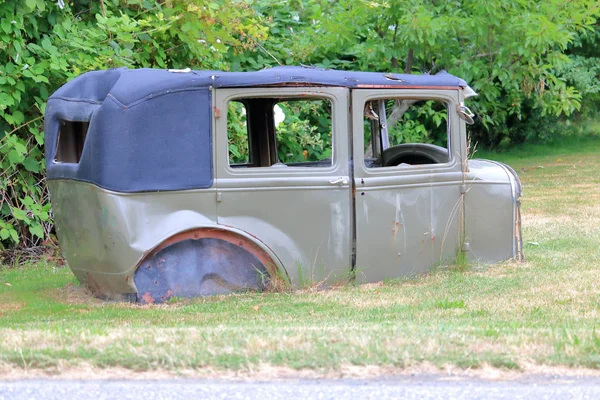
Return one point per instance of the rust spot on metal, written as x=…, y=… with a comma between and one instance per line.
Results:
x=395, y=229
x=217, y=112
x=148, y=299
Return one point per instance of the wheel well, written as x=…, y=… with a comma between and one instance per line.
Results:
x=201, y=262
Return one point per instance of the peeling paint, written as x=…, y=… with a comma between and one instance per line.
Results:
x=338, y=230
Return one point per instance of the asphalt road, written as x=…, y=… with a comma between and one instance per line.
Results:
x=380, y=389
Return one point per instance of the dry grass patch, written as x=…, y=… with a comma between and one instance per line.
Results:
x=512, y=316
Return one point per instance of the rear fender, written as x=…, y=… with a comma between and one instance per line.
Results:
x=202, y=262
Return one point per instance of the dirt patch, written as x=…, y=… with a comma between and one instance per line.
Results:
x=270, y=373
x=74, y=295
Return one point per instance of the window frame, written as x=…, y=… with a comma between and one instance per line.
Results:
x=290, y=99
x=338, y=144
x=78, y=152
x=455, y=145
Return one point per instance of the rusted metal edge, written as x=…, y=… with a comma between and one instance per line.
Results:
x=360, y=86
x=216, y=233
x=518, y=233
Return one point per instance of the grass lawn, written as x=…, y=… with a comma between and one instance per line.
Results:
x=542, y=312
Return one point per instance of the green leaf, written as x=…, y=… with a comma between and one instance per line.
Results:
x=43, y=92
x=14, y=235
x=31, y=164
x=27, y=201
x=4, y=233
x=6, y=100
x=19, y=214
x=18, y=118
x=37, y=230
x=47, y=44
x=20, y=147
x=15, y=157
x=5, y=25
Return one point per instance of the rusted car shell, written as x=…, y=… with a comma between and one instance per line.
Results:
x=231, y=230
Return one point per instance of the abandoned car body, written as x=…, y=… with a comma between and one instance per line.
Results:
x=188, y=183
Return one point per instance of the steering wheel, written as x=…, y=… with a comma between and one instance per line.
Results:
x=414, y=154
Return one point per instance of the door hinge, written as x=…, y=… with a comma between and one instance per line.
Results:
x=219, y=197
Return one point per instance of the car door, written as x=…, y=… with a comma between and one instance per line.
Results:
x=408, y=197
x=283, y=179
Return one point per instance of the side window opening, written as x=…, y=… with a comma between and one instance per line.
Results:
x=405, y=132
x=279, y=132
x=71, y=139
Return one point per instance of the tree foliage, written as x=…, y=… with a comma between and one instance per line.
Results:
x=514, y=53
x=530, y=61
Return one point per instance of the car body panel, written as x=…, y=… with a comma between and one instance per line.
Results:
x=297, y=212
x=407, y=218
x=326, y=224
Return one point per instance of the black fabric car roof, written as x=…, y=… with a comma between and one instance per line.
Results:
x=130, y=86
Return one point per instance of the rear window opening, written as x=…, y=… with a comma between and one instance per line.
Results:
x=71, y=138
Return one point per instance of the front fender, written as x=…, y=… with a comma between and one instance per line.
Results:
x=492, y=212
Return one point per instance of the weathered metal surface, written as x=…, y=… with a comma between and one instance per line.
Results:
x=199, y=266
x=490, y=213
x=407, y=218
x=107, y=233
x=303, y=214
x=310, y=224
